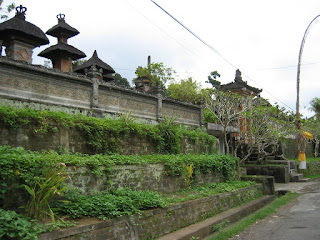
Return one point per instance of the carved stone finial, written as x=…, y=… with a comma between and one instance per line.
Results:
x=238, y=77
x=61, y=17
x=149, y=60
x=20, y=12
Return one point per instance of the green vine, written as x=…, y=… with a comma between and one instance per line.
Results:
x=105, y=135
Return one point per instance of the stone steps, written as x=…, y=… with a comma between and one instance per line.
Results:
x=298, y=177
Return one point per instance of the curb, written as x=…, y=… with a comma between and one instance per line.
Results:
x=204, y=228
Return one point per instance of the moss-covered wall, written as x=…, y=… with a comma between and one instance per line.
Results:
x=73, y=140
x=137, y=177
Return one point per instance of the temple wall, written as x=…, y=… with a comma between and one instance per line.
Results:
x=37, y=87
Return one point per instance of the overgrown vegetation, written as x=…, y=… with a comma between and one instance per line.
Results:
x=110, y=204
x=43, y=192
x=105, y=135
x=17, y=226
x=20, y=167
x=207, y=190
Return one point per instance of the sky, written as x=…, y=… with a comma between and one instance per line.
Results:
x=261, y=38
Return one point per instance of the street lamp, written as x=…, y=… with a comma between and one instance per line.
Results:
x=298, y=123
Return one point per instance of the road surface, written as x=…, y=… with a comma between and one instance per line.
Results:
x=299, y=220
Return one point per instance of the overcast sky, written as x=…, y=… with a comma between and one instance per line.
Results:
x=261, y=38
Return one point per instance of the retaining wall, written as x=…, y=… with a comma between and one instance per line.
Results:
x=158, y=222
x=137, y=177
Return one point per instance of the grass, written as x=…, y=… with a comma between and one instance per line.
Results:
x=239, y=227
x=312, y=176
x=310, y=159
x=205, y=190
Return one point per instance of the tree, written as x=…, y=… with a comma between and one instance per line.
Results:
x=227, y=108
x=315, y=107
x=119, y=80
x=4, y=12
x=187, y=90
x=212, y=79
x=157, y=74
x=265, y=126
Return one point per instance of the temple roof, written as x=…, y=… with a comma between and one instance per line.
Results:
x=62, y=28
x=239, y=84
x=62, y=49
x=18, y=28
x=95, y=61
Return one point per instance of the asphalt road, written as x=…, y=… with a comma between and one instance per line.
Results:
x=299, y=220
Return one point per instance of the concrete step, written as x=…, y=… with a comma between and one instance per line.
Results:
x=204, y=228
x=304, y=180
x=296, y=177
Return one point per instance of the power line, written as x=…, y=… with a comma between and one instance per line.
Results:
x=289, y=66
x=211, y=48
x=195, y=35
x=189, y=50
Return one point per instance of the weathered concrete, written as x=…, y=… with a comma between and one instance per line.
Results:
x=204, y=228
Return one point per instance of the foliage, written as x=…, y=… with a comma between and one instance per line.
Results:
x=218, y=227
x=115, y=203
x=230, y=232
x=20, y=167
x=104, y=135
x=17, y=226
x=315, y=106
x=119, y=80
x=189, y=172
x=227, y=107
x=187, y=90
x=157, y=73
x=170, y=134
x=264, y=126
x=206, y=190
x=212, y=79
x=43, y=192
x=209, y=117
x=4, y=12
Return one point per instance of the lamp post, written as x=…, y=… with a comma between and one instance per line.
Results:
x=298, y=123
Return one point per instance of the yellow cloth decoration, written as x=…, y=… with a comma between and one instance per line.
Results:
x=307, y=135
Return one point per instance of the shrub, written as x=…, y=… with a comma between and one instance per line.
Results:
x=16, y=226
x=110, y=204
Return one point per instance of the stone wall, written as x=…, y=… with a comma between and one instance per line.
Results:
x=73, y=140
x=138, y=177
x=37, y=87
x=281, y=173
x=157, y=222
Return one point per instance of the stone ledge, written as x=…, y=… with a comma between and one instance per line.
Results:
x=156, y=222
x=204, y=228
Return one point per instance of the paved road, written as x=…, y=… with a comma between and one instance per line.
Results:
x=298, y=220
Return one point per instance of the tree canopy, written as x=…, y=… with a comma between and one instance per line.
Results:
x=157, y=73
x=315, y=106
x=4, y=11
x=119, y=80
x=186, y=90
x=212, y=79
